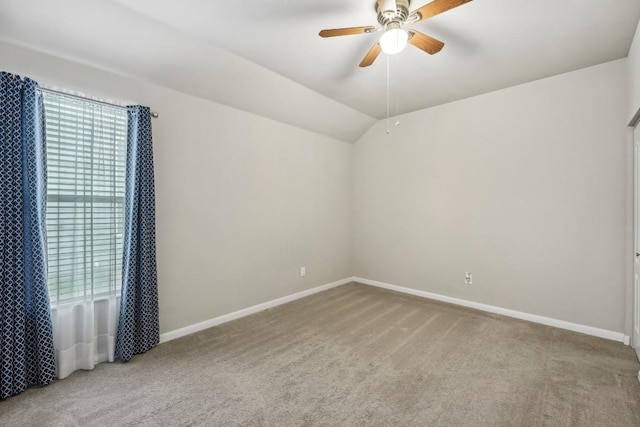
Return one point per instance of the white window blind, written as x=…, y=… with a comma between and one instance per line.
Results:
x=86, y=155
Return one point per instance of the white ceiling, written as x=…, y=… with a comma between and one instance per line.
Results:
x=265, y=56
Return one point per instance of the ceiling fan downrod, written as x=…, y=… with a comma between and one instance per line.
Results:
x=392, y=11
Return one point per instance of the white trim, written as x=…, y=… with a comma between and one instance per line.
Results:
x=588, y=330
x=187, y=330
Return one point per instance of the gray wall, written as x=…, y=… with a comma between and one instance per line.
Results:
x=242, y=201
x=526, y=188
x=633, y=76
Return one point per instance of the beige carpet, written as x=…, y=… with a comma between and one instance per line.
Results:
x=354, y=355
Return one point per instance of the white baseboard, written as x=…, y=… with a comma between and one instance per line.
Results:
x=588, y=330
x=187, y=330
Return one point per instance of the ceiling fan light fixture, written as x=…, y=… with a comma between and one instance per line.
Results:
x=391, y=16
x=394, y=40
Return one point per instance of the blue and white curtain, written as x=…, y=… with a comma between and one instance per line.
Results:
x=26, y=338
x=138, y=329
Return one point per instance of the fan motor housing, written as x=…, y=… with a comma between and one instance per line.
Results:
x=401, y=14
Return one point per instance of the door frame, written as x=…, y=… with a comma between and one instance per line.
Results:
x=634, y=292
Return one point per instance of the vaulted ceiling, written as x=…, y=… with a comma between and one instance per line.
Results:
x=265, y=56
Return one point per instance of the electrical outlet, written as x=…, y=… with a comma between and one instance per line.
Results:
x=303, y=271
x=467, y=278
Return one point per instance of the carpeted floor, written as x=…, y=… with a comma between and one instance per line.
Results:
x=353, y=355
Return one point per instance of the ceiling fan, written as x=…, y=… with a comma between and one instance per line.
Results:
x=392, y=15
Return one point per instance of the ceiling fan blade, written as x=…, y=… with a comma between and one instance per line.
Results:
x=436, y=7
x=424, y=42
x=371, y=55
x=346, y=31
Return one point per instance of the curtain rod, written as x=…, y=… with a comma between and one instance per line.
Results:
x=84, y=98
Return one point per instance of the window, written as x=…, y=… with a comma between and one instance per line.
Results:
x=86, y=155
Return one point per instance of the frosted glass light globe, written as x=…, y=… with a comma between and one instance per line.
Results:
x=394, y=41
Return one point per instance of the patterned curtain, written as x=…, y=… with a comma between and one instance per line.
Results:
x=26, y=338
x=138, y=329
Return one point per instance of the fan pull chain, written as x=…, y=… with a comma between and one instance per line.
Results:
x=388, y=130
x=393, y=80
x=397, y=87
